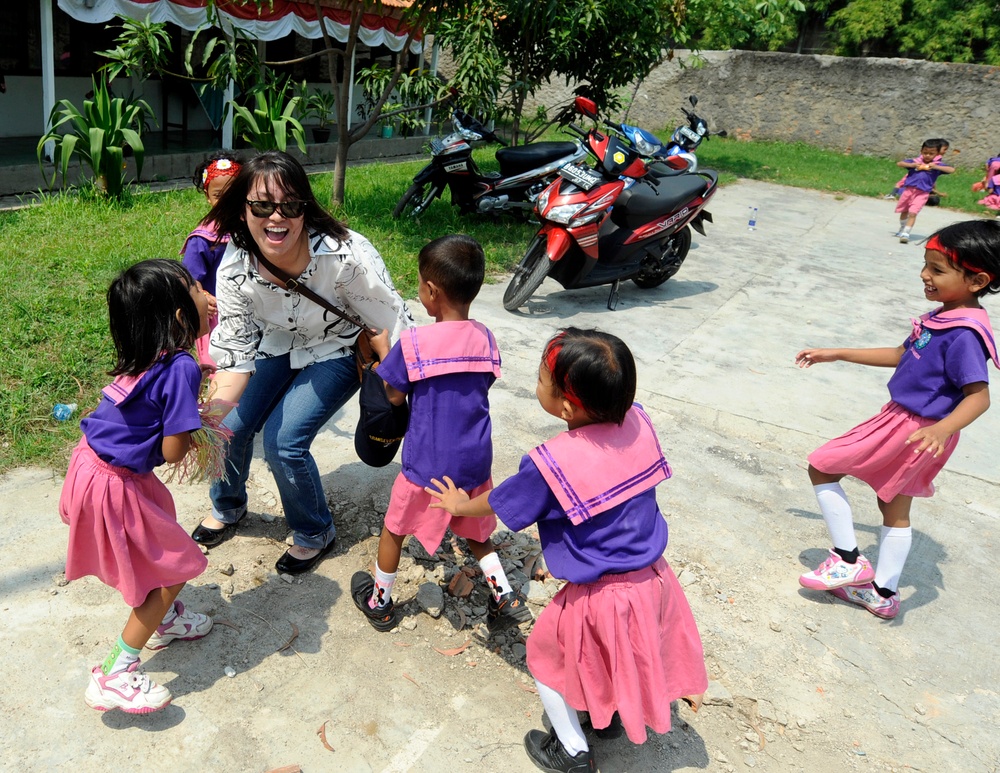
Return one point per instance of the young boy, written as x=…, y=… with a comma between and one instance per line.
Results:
x=446, y=369
x=917, y=186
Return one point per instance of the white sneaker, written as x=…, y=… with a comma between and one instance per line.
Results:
x=130, y=690
x=186, y=626
x=835, y=572
x=904, y=238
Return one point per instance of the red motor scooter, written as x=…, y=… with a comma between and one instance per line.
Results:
x=629, y=217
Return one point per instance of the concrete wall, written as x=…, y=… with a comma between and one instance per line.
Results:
x=883, y=107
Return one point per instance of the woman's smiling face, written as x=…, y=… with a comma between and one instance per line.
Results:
x=279, y=238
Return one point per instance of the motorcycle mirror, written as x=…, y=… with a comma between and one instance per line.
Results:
x=586, y=106
x=693, y=100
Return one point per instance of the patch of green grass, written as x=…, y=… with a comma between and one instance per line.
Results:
x=804, y=166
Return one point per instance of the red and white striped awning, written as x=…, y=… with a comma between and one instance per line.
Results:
x=273, y=21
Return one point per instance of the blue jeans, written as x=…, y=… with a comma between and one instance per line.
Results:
x=290, y=406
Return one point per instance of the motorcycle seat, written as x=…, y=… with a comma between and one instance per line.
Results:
x=524, y=158
x=644, y=201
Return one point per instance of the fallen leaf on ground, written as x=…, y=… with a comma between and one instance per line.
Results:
x=322, y=736
x=454, y=650
x=402, y=644
x=407, y=676
x=527, y=687
x=286, y=769
x=295, y=635
x=220, y=621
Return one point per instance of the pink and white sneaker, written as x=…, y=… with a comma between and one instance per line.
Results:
x=130, y=690
x=835, y=572
x=866, y=596
x=186, y=626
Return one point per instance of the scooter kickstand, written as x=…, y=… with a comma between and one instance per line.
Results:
x=613, y=297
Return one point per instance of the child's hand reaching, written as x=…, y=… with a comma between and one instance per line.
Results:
x=809, y=357
x=450, y=497
x=929, y=439
x=213, y=305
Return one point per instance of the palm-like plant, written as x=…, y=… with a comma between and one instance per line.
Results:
x=99, y=134
x=268, y=126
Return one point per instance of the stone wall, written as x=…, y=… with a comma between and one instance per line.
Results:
x=881, y=107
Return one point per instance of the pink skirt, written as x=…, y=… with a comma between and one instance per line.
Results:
x=992, y=201
x=876, y=453
x=123, y=529
x=410, y=512
x=625, y=643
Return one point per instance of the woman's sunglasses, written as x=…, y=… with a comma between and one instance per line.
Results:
x=290, y=209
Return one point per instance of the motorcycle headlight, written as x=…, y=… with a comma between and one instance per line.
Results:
x=564, y=213
x=645, y=148
x=543, y=200
x=578, y=221
x=470, y=135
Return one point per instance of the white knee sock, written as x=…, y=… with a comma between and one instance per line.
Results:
x=565, y=723
x=892, y=553
x=837, y=514
x=495, y=576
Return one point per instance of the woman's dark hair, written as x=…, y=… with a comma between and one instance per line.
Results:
x=143, y=302
x=597, y=369
x=280, y=173
x=220, y=155
x=977, y=243
x=456, y=264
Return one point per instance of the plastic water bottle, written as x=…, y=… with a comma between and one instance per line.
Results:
x=752, y=224
x=62, y=411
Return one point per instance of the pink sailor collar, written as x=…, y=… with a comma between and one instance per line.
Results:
x=595, y=468
x=449, y=347
x=976, y=320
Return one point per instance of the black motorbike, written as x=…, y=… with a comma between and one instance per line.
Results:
x=525, y=171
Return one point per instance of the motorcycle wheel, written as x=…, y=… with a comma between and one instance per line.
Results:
x=675, y=251
x=416, y=199
x=528, y=275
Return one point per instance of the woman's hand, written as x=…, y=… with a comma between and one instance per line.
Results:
x=930, y=439
x=450, y=497
x=380, y=344
x=809, y=357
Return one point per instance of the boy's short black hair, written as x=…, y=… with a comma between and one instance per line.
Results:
x=456, y=264
x=977, y=243
x=598, y=369
x=931, y=143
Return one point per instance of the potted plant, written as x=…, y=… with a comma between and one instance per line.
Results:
x=318, y=105
x=100, y=134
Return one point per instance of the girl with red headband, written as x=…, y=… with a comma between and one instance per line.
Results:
x=618, y=640
x=939, y=387
x=204, y=247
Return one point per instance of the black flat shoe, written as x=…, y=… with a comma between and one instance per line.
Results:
x=550, y=755
x=212, y=537
x=289, y=564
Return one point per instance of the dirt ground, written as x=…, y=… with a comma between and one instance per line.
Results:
x=799, y=680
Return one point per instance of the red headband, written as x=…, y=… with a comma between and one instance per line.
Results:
x=222, y=167
x=935, y=244
x=551, y=355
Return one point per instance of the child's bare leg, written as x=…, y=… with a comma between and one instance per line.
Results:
x=911, y=219
x=894, y=547
x=818, y=478
x=145, y=618
x=390, y=548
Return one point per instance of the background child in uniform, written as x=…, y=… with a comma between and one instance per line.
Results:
x=917, y=186
x=990, y=184
x=203, y=249
x=618, y=640
x=939, y=387
x=123, y=525
x=446, y=369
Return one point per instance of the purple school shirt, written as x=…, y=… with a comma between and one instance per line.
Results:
x=164, y=403
x=450, y=431
x=921, y=180
x=202, y=260
x=628, y=537
x=930, y=375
